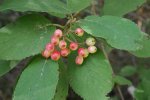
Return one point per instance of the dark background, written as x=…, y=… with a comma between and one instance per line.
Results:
x=118, y=58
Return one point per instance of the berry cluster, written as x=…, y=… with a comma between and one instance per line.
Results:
x=51, y=48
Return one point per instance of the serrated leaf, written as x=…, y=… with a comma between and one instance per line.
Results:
x=145, y=50
x=24, y=37
x=121, y=7
x=93, y=79
x=119, y=32
x=128, y=71
x=63, y=85
x=121, y=80
x=4, y=67
x=38, y=81
x=78, y=5
x=50, y=6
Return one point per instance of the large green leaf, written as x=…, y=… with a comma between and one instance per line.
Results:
x=78, y=5
x=38, y=81
x=50, y=6
x=121, y=7
x=93, y=79
x=4, y=67
x=24, y=37
x=145, y=50
x=63, y=85
x=118, y=32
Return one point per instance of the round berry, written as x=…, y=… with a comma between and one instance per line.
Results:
x=83, y=52
x=73, y=46
x=92, y=49
x=79, y=60
x=50, y=47
x=62, y=44
x=90, y=41
x=65, y=52
x=79, y=32
x=46, y=53
x=54, y=40
x=55, y=55
x=58, y=33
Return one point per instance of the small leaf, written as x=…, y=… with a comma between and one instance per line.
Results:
x=93, y=79
x=4, y=67
x=118, y=32
x=128, y=71
x=38, y=81
x=121, y=7
x=121, y=80
x=24, y=37
x=63, y=85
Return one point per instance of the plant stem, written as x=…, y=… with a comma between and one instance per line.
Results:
x=57, y=25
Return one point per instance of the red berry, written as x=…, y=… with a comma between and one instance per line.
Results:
x=55, y=55
x=62, y=44
x=46, y=53
x=90, y=41
x=65, y=52
x=79, y=32
x=73, y=46
x=50, y=47
x=54, y=40
x=79, y=60
x=92, y=49
x=58, y=33
x=83, y=52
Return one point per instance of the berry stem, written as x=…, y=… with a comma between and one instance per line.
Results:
x=57, y=25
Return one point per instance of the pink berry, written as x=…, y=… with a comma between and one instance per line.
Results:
x=65, y=52
x=46, y=53
x=50, y=47
x=62, y=44
x=73, y=46
x=79, y=32
x=55, y=55
x=79, y=60
x=83, y=52
x=92, y=49
x=54, y=40
x=58, y=33
x=90, y=41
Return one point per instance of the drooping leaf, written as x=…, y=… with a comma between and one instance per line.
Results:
x=38, y=81
x=4, y=67
x=118, y=32
x=78, y=5
x=50, y=6
x=121, y=7
x=63, y=85
x=93, y=79
x=121, y=80
x=128, y=71
x=24, y=37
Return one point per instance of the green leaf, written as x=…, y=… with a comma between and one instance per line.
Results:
x=38, y=81
x=121, y=7
x=24, y=37
x=63, y=85
x=93, y=79
x=145, y=86
x=4, y=67
x=78, y=5
x=121, y=80
x=118, y=32
x=145, y=50
x=128, y=71
x=50, y=6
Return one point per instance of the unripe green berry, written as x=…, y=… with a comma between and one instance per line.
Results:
x=90, y=41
